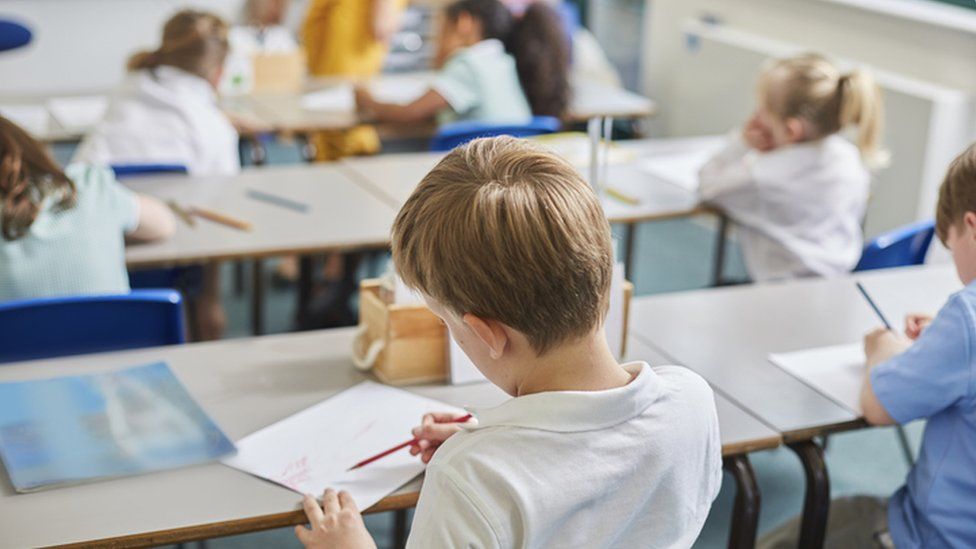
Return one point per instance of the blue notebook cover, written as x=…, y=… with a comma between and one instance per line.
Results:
x=73, y=429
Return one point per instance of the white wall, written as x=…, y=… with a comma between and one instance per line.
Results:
x=922, y=50
x=82, y=45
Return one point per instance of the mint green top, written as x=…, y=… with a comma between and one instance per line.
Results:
x=76, y=251
x=480, y=83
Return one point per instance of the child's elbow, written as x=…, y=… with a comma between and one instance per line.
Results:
x=874, y=413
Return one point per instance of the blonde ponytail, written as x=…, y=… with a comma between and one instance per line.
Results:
x=810, y=87
x=861, y=105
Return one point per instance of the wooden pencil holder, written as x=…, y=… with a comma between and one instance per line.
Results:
x=407, y=344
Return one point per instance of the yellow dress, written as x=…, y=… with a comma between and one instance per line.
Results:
x=338, y=38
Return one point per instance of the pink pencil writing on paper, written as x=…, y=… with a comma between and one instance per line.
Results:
x=399, y=447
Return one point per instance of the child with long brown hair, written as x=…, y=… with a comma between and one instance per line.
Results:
x=495, y=67
x=795, y=187
x=62, y=232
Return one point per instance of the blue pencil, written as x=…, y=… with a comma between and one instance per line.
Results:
x=278, y=200
x=873, y=305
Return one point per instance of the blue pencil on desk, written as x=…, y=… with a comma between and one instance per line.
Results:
x=278, y=200
x=873, y=305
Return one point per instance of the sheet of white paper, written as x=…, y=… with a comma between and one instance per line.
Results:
x=837, y=372
x=575, y=148
x=463, y=369
x=32, y=118
x=337, y=98
x=78, y=112
x=614, y=325
x=678, y=169
x=314, y=449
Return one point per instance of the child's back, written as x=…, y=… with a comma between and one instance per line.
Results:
x=799, y=207
x=166, y=111
x=480, y=83
x=636, y=466
x=789, y=180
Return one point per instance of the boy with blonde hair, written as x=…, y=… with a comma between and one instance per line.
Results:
x=511, y=248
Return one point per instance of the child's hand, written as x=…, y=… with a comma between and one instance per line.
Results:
x=364, y=100
x=337, y=523
x=915, y=323
x=433, y=431
x=757, y=136
x=881, y=344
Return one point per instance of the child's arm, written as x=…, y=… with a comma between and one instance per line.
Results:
x=337, y=523
x=422, y=108
x=915, y=323
x=156, y=221
x=907, y=381
x=879, y=346
x=730, y=170
x=386, y=19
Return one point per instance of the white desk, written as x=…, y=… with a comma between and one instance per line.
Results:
x=244, y=384
x=726, y=335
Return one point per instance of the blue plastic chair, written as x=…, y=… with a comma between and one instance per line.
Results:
x=900, y=247
x=135, y=170
x=60, y=326
x=13, y=35
x=451, y=135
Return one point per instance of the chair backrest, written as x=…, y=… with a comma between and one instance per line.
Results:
x=13, y=35
x=135, y=170
x=60, y=326
x=459, y=133
x=900, y=247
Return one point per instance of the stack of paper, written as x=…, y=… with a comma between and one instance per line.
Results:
x=314, y=449
x=837, y=372
x=71, y=429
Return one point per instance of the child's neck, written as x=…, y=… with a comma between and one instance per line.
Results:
x=584, y=365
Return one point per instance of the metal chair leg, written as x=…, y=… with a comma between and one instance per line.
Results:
x=906, y=446
x=816, y=503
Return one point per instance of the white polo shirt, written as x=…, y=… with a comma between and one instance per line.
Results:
x=635, y=466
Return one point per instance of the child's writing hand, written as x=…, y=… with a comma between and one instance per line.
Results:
x=915, y=323
x=882, y=344
x=757, y=135
x=434, y=429
x=364, y=100
x=337, y=523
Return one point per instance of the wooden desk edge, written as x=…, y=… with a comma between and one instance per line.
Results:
x=234, y=527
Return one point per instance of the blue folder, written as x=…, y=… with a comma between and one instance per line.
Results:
x=74, y=429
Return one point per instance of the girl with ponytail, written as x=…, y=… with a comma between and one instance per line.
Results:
x=166, y=112
x=493, y=67
x=796, y=187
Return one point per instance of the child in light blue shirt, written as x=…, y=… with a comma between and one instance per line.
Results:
x=494, y=68
x=934, y=377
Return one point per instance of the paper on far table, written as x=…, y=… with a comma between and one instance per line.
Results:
x=340, y=97
x=32, y=118
x=837, y=372
x=678, y=169
x=78, y=112
x=334, y=98
x=313, y=449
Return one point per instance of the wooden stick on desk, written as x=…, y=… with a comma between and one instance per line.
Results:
x=222, y=218
x=181, y=213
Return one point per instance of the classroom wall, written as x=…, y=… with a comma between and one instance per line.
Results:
x=910, y=47
x=82, y=45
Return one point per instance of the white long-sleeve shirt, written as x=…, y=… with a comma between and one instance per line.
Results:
x=164, y=115
x=635, y=466
x=798, y=208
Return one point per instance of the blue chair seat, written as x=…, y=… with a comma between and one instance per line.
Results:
x=60, y=326
x=900, y=247
x=135, y=170
x=452, y=135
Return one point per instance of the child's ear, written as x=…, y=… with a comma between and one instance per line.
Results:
x=969, y=221
x=491, y=333
x=795, y=130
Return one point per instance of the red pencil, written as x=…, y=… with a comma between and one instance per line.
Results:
x=398, y=447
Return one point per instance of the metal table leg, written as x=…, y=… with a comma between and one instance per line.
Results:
x=257, y=297
x=721, y=243
x=745, y=512
x=816, y=502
